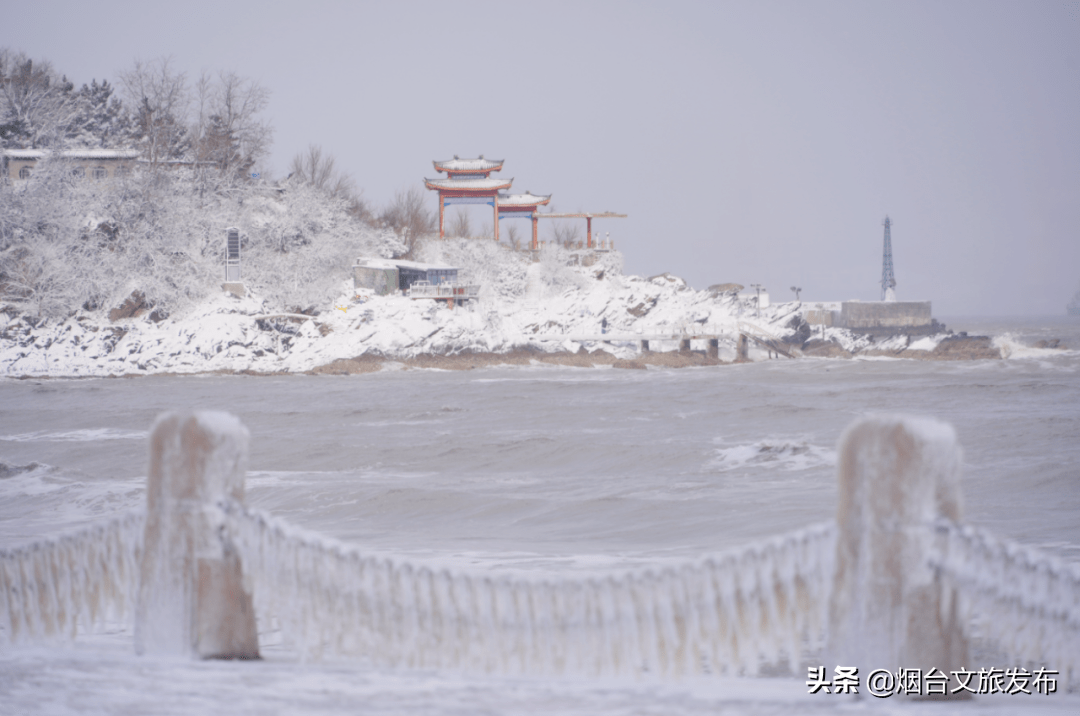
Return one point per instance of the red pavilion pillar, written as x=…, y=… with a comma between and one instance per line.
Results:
x=496, y=203
x=535, y=221
x=441, y=209
x=588, y=231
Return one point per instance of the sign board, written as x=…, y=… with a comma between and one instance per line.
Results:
x=232, y=254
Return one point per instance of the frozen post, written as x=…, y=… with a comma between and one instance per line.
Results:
x=888, y=609
x=192, y=598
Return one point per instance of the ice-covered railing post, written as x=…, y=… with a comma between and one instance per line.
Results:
x=889, y=609
x=192, y=598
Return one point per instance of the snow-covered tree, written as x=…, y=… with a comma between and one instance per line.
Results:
x=100, y=119
x=237, y=133
x=68, y=244
x=319, y=169
x=37, y=105
x=408, y=216
x=160, y=99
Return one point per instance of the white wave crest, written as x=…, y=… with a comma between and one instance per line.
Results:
x=1012, y=348
x=76, y=436
x=775, y=454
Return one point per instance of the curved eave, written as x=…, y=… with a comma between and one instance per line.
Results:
x=486, y=186
x=523, y=201
x=485, y=166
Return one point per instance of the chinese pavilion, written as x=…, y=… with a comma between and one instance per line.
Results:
x=468, y=181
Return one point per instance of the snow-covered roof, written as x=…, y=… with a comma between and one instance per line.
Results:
x=469, y=165
x=471, y=184
x=526, y=199
x=73, y=153
x=401, y=263
x=100, y=154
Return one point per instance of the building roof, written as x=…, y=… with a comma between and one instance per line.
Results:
x=455, y=165
x=401, y=263
x=73, y=153
x=526, y=199
x=485, y=184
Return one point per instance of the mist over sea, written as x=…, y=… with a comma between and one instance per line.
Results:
x=549, y=468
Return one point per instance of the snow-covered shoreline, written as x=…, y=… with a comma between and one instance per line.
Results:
x=525, y=306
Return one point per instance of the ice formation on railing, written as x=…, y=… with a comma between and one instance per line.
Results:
x=1025, y=601
x=60, y=586
x=726, y=613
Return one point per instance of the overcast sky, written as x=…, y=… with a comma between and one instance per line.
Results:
x=754, y=142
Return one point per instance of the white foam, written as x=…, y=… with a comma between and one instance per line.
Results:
x=775, y=453
x=1013, y=348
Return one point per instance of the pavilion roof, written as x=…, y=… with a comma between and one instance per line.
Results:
x=526, y=199
x=487, y=184
x=479, y=164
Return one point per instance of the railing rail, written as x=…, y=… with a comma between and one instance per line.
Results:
x=458, y=292
x=1023, y=600
x=727, y=612
x=62, y=586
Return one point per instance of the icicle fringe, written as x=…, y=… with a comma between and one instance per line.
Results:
x=731, y=612
x=59, y=587
x=728, y=613
x=1024, y=601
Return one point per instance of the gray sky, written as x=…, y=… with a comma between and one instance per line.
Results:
x=755, y=142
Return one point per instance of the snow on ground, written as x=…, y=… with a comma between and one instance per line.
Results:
x=520, y=301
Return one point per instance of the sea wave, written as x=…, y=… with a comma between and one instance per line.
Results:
x=76, y=436
x=1013, y=348
x=783, y=454
x=8, y=470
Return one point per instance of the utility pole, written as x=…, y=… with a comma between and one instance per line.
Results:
x=888, y=280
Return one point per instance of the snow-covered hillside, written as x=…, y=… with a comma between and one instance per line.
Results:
x=523, y=304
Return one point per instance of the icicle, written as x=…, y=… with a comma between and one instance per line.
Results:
x=716, y=614
x=54, y=588
x=1025, y=602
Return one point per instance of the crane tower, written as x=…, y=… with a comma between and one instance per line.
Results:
x=888, y=280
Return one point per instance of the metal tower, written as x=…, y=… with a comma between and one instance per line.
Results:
x=888, y=280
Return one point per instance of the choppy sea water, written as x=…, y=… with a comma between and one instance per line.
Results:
x=540, y=467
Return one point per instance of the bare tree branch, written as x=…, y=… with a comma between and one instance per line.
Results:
x=160, y=97
x=408, y=216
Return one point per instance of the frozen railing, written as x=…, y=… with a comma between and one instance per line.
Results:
x=63, y=586
x=729, y=612
x=443, y=291
x=1024, y=601
x=895, y=581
